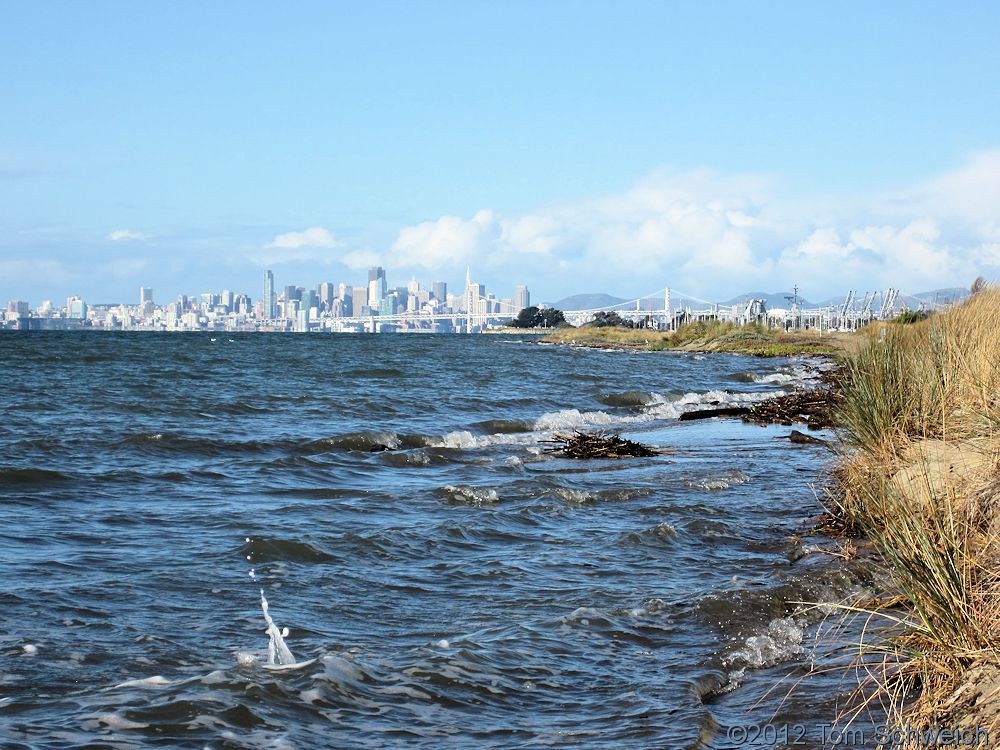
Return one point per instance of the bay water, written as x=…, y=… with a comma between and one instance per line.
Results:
x=434, y=577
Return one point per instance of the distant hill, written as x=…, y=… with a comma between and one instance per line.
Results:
x=774, y=300
x=587, y=301
x=950, y=294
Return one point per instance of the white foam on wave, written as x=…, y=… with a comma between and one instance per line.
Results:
x=724, y=482
x=582, y=615
x=660, y=407
x=782, y=640
x=111, y=721
x=146, y=682
x=799, y=375
x=478, y=496
x=465, y=440
x=568, y=419
x=574, y=496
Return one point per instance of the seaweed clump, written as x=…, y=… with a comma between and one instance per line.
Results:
x=597, y=445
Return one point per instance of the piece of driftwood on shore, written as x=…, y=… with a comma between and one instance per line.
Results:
x=723, y=411
x=597, y=445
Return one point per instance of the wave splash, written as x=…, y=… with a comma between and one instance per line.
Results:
x=278, y=653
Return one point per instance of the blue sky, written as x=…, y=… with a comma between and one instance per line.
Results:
x=716, y=147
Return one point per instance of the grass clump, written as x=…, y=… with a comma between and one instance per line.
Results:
x=921, y=420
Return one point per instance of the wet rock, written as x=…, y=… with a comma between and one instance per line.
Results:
x=800, y=437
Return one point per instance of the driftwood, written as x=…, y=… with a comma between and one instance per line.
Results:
x=725, y=411
x=815, y=408
x=597, y=445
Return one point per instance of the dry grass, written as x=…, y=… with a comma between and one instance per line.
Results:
x=921, y=414
x=703, y=336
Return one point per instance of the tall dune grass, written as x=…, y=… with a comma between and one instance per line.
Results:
x=921, y=418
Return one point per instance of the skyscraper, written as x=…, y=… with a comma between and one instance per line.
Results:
x=309, y=300
x=145, y=294
x=327, y=291
x=522, y=298
x=359, y=300
x=268, y=298
x=440, y=289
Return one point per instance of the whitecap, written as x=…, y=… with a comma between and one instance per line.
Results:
x=111, y=721
x=782, y=640
x=145, y=682
x=477, y=496
x=568, y=419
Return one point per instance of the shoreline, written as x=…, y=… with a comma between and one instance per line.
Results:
x=900, y=490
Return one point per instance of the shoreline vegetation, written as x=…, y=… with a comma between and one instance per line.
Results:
x=916, y=404
x=919, y=476
x=706, y=336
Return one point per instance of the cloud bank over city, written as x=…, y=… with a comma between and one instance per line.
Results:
x=709, y=234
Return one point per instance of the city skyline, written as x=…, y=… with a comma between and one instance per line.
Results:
x=325, y=307
x=711, y=151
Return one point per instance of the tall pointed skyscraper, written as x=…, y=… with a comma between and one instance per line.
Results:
x=267, y=301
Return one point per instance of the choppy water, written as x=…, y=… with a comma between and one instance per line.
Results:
x=462, y=589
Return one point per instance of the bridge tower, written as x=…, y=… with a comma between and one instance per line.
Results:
x=666, y=307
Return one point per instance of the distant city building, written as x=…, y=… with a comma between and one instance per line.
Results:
x=268, y=298
x=377, y=286
x=522, y=298
x=440, y=291
x=388, y=304
x=309, y=300
x=359, y=300
x=76, y=308
x=145, y=294
x=474, y=298
x=327, y=293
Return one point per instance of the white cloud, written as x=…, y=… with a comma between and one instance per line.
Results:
x=313, y=245
x=715, y=234
x=448, y=241
x=312, y=237
x=127, y=235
